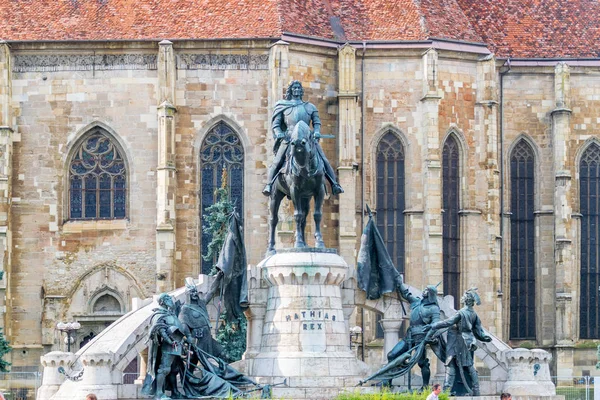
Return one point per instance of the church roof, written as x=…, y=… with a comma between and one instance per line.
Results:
x=510, y=28
x=537, y=28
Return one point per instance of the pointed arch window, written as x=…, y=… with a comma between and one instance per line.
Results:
x=97, y=178
x=589, y=310
x=390, y=196
x=522, y=243
x=450, y=222
x=221, y=149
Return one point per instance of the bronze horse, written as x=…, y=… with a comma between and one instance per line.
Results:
x=301, y=179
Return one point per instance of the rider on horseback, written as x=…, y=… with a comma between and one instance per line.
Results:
x=286, y=115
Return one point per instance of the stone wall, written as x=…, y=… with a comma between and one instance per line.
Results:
x=239, y=97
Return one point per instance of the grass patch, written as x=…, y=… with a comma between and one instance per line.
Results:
x=572, y=393
x=386, y=394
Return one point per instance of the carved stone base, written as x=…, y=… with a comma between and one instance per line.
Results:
x=305, y=337
x=528, y=373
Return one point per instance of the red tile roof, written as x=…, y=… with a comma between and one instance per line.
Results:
x=445, y=19
x=537, y=28
x=137, y=19
x=515, y=28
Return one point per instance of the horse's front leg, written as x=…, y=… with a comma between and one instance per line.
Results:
x=318, y=215
x=274, y=203
x=298, y=217
x=305, y=210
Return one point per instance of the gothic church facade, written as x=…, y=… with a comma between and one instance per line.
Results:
x=472, y=130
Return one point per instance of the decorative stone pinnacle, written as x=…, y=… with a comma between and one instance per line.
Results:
x=56, y=359
x=97, y=359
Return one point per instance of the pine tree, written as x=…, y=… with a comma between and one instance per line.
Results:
x=231, y=335
x=4, y=349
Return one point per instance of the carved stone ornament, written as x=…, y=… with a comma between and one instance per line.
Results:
x=222, y=61
x=83, y=62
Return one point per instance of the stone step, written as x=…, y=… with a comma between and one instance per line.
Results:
x=307, y=382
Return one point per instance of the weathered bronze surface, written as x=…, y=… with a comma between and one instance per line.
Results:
x=376, y=276
x=411, y=350
x=175, y=350
x=299, y=165
x=464, y=328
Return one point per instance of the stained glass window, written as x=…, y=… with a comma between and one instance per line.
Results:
x=221, y=149
x=522, y=243
x=450, y=222
x=390, y=196
x=589, y=181
x=97, y=178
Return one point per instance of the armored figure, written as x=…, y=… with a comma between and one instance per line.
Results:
x=194, y=316
x=286, y=115
x=464, y=328
x=167, y=338
x=424, y=311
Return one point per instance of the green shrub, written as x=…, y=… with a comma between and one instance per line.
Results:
x=386, y=394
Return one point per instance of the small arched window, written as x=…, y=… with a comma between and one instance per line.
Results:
x=97, y=178
x=390, y=196
x=589, y=184
x=522, y=243
x=450, y=222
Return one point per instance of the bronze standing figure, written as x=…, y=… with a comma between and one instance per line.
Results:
x=424, y=311
x=166, y=350
x=464, y=328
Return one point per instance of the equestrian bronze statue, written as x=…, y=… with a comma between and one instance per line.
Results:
x=300, y=167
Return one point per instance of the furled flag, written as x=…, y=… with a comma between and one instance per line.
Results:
x=376, y=272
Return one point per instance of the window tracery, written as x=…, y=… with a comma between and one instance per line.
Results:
x=97, y=179
x=589, y=191
x=391, y=196
x=522, y=243
x=450, y=218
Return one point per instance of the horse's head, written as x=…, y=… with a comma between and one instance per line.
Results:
x=301, y=140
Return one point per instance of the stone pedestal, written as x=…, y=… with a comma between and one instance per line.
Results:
x=528, y=373
x=305, y=338
x=99, y=377
x=52, y=379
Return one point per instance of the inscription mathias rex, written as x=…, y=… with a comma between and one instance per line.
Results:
x=311, y=320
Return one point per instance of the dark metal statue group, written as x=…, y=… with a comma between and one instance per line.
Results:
x=376, y=276
x=180, y=341
x=181, y=344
